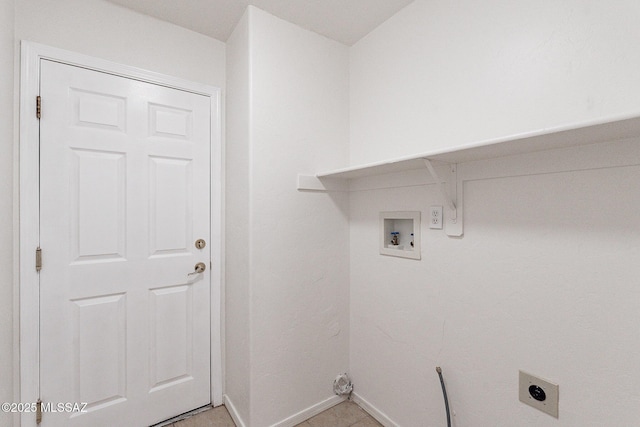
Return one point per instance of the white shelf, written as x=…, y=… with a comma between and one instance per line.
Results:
x=451, y=187
x=545, y=139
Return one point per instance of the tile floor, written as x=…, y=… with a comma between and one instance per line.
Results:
x=216, y=417
x=346, y=414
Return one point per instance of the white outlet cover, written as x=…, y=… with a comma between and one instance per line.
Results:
x=550, y=402
x=435, y=217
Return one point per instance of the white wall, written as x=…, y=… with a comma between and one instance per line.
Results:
x=105, y=30
x=298, y=242
x=237, y=235
x=6, y=206
x=544, y=278
x=442, y=73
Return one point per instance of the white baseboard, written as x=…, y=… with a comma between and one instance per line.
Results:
x=305, y=414
x=311, y=411
x=380, y=416
x=233, y=412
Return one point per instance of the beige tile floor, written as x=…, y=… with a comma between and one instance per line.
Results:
x=216, y=417
x=346, y=414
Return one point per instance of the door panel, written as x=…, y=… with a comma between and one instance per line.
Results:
x=125, y=192
x=98, y=205
x=100, y=340
x=171, y=339
x=98, y=110
x=170, y=205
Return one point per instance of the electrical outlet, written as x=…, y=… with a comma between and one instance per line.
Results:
x=539, y=393
x=435, y=217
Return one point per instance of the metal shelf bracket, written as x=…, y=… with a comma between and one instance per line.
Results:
x=451, y=191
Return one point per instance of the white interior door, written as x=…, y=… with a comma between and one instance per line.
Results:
x=124, y=195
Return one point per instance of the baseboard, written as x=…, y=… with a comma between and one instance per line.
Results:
x=233, y=412
x=305, y=414
x=309, y=412
x=380, y=416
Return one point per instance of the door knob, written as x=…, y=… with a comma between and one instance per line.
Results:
x=199, y=268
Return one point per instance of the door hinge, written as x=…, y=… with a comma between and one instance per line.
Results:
x=38, y=411
x=38, y=107
x=38, y=259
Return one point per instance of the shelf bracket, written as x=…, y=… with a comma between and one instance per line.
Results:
x=443, y=189
x=451, y=191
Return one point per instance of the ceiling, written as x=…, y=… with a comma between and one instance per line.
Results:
x=345, y=21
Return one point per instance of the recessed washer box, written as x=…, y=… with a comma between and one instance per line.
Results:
x=400, y=234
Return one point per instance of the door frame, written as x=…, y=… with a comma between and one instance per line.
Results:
x=29, y=207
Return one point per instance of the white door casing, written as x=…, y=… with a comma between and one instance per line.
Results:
x=125, y=330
